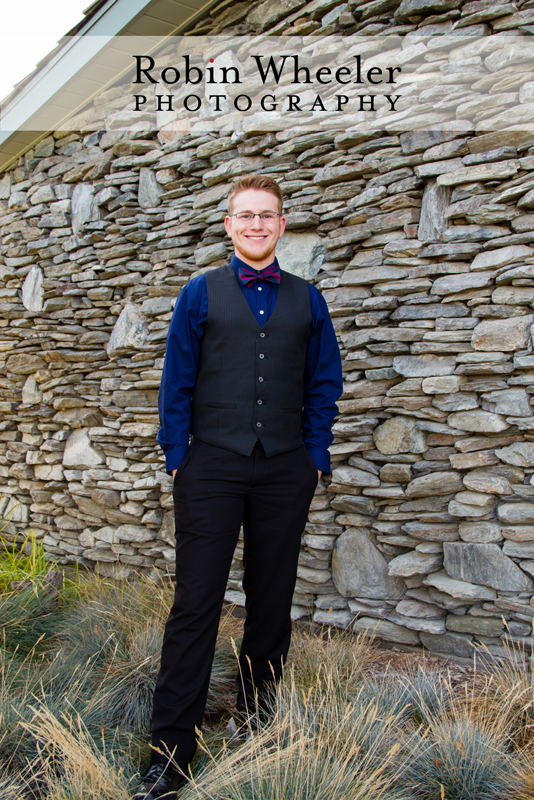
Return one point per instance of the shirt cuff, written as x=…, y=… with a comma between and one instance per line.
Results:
x=175, y=456
x=321, y=458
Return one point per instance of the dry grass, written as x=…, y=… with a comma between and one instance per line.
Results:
x=348, y=721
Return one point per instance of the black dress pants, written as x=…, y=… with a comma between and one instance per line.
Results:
x=215, y=490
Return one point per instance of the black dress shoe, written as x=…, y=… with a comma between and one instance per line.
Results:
x=159, y=783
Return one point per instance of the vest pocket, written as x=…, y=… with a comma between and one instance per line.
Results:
x=290, y=410
x=221, y=405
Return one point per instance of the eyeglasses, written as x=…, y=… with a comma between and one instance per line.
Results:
x=248, y=216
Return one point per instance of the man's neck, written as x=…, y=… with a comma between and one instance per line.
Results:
x=257, y=265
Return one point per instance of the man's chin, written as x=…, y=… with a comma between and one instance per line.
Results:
x=256, y=256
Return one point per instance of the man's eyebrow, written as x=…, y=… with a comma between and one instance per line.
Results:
x=265, y=211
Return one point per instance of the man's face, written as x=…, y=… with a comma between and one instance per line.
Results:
x=255, y=240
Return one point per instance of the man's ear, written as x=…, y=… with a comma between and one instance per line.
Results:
x=282, y=225
x=228, y=225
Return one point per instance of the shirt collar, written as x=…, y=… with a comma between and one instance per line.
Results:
x=238, y=262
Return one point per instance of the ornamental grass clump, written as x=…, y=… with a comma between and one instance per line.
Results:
x=506, y=691
x=23, y=561
x=418, y=695
x=315, y=746
x=73, y=765
x=460, y=758
x=346, y=654
x=28, y=617
x=117, y=631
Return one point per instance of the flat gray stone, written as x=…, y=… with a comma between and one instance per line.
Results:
x=354, y=503
x=360, y=570
x=448, y=644
x=337, y=618
x=435, y=626
x=207, y=255
x=301, y=254
x=442, y=384
x=80, y=452
x=482, y=172
x=435, y=483
x=484, y=564
x=24, y=363
x=31, y=394
x=519, y=533
x=44, y=194
x=477, y=421
x=81, y=205
x=483, y=481
x=213, y=196
x=451, y=284
x=416, y=608
x=432, y=531
x=265, y=14
x=130, y=331
x=135, y=533
x=383, y=629
x=456, y=401
x=396, y=473
x=433, y=220
x=473, y=233
x=520, y=454
x=150, y=191
x=372, y=275
x=503, y=334
x=339, y=174
x=461, y=590
x=429, y=311
x=351, y=476
x=153, y=306
x=519, y=549
x=417, y=8
x=415, y=563
x=478, y=626
x=32, y=290
x=516, y=513
x=510, y=402
x=424, y=366
x=481, y=532
x=399, y=435
x=6, y=181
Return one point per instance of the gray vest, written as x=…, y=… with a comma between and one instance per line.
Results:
x=250, y=381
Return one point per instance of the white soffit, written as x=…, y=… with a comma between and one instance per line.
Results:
x=26, y=115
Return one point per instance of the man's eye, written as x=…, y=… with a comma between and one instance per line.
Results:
x=267, y=216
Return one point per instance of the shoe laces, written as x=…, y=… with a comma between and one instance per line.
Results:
x=155, y=771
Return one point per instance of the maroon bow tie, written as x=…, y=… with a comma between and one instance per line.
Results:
x=250, y=276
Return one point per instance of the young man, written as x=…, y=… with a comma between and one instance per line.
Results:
x=253, y=372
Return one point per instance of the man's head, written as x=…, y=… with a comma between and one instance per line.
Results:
x=254, y=221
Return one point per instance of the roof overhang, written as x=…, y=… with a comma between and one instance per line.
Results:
x=65, y=81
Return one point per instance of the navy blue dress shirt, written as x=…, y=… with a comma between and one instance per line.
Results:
x=323, y=378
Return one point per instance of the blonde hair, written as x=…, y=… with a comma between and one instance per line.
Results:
x=262, y=182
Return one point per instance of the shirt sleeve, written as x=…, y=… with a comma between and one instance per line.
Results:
x=187, y=328
x=323, y=382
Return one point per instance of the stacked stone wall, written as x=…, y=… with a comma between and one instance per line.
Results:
x=422, y=246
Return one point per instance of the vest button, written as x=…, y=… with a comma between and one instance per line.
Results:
x=258, y=424
x=259, y=402
x=260, y=380
x=262, y=335
x=262, y=355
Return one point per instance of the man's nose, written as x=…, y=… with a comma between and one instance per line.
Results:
x=257, y=221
